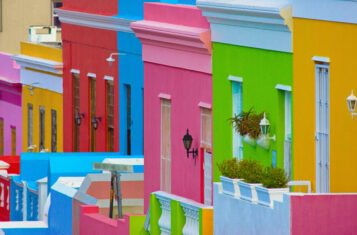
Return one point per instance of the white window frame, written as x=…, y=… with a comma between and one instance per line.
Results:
x=206, y=113
x=237, y=139
x=165, y=103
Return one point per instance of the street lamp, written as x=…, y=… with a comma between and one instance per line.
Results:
x=110, y=59
x=187, y=142
x=351, y=103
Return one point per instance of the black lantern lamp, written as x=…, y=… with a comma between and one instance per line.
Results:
x=95, y=122
x=78, y=118
x=187, y=142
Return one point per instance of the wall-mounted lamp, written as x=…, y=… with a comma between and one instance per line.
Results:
x=95, y=122
x=78, y=118
x=187, y=142
x=351, y=103
x=31, y=87
x=263, y=140
x=31, y=148
x=110, y=59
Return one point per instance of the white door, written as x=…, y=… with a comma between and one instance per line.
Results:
x=322, y=135
x=207, y=168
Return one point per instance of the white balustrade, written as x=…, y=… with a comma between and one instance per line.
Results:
x=2, y=197
x=17, y=199
x=8, y=199
x=165, y=219
x=192, y=225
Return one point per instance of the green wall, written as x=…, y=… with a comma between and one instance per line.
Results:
x=261, y=71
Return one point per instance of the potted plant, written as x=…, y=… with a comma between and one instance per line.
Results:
x=247, y=125
x=252, y=173
x=230, y=176
x=274, y=186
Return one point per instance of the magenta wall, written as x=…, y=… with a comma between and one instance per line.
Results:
x=328, y=214
x=10, y=102
x=187, y=89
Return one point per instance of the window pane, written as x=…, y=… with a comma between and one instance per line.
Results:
x=53, y=131
x=92, y=98
x=110, y=116
x=29, y=125
x=13, y=141
x=76, y=110
x=206, y=128
x=1, y=136
x=42, y=128
x=165, y=145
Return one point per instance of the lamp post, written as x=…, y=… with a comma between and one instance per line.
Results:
x=351, y=104
x=187, y=142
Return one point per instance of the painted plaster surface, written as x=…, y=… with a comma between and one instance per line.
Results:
x=235, y=216
x=187, y=89
x=261, y=71
x=105, y=7
x=83, y=42
x=338, y=38
x=323, y=214
x=10, y=102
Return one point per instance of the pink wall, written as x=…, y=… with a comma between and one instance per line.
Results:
x=10, y=102
x=328, y=214
x=187, y=90
x=91, y=222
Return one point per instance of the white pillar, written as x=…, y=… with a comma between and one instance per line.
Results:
x=165, y=219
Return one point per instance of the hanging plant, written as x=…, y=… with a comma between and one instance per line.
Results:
x=247, y=123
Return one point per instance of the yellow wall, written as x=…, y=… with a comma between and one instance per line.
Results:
x=17, y=16
x=42, y=97
x=50, y=100
x=338, y=42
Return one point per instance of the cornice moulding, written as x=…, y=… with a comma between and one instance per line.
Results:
x=39, y=64
x=258, y=24
x=173, y=36
x=94, y=20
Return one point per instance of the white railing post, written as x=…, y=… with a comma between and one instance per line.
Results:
x=165, y=219
x=42, y=196
x=192, y=225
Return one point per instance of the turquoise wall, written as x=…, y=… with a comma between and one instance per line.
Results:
x=261, y=71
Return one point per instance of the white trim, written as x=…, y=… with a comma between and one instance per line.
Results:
x=41, y=80
x=164, y=96
x=75, y=71
x=283, y=87
x=37, y=63
x=321, y=59
x=235, y=79
x=109, y=78
x=94, y=20
x=205, y=105
x=257, y=24
x=92, y=75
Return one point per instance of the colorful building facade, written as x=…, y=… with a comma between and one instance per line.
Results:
x=14, y=29
x=324, y=130
x=41, y=77
x=252, y=69
x=10, y=107
x=177, y=97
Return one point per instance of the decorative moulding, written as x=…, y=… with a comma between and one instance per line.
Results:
x=39, y=64
x=91, y=75
x=283, y=87
x=75, y=71
x=205, y=105
x=235, y=79
x=164, y=96
x=109, y=78
x=94, y=20
x=176, y=43
x=321, y=59
x=258, y=24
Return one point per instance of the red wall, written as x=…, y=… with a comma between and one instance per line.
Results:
x=102, y=7
x=14, y=162
x=5, y=209
x=328, y=214
x=86, y=50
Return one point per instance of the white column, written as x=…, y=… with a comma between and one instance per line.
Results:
x=42, y=196
x=165, y=219
x=24, y=201
x=192, y=213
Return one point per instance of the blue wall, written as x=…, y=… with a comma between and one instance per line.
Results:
x=235, y=216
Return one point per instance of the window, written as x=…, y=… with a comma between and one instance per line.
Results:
x=53, y=131
x=237, y=108
x=128, y=118
x=110, y=116
x=13, y=141
x=287, y=141
x=206, y=128
x=42, y=128
x=55, y=17
x=92, y=97
x=30, y=126
x=76, y=110
x=0, y=15
x=166, y=145
x=1, y=136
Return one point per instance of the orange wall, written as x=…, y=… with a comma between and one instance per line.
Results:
x=338, y=42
